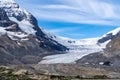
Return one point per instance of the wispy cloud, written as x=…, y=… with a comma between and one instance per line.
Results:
x=63, y=30
x=55, y=6
x=77, y=11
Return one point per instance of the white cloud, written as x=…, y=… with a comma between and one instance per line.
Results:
x=77, y=11
x=54, y=6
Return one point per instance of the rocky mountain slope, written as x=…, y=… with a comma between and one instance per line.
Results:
x=21, y=40
x=109, y=58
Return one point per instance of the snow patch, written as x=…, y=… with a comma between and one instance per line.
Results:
x=101, y=63
x=24, y=25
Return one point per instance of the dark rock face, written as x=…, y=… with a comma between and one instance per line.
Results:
x=19, y=52
x=3, y=15
x=23, y=52
x=106, y=38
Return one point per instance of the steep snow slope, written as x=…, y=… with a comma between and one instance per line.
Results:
x=110, y=35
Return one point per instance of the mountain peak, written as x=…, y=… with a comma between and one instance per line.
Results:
x=7, y=1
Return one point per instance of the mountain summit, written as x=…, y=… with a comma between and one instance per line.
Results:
x=7, y=1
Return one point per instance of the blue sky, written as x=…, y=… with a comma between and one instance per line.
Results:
x=75, y=18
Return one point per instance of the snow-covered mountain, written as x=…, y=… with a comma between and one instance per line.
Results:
x=18, y=23
x=23, y=19
x=21, y=39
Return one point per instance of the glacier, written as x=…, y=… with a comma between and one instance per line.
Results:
x=78, y=48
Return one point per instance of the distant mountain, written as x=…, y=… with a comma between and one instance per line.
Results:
x=79, y=48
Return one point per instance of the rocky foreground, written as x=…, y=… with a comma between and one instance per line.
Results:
x=57, y=72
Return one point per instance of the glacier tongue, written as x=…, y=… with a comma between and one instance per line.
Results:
x=70, y=57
